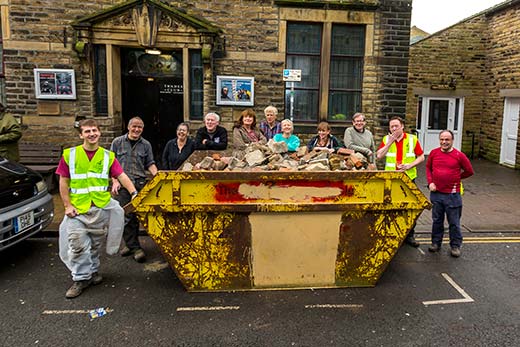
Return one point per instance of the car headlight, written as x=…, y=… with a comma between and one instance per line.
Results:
x=41, y=186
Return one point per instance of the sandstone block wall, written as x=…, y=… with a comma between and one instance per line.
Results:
x=39, y=35
x=482, y=55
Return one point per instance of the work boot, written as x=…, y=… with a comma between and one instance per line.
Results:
x=434, y=248
x=410, y=240
x=77, y=288
x=125, y=252
x=455, y=252
x=96, y=278
x=139, y=256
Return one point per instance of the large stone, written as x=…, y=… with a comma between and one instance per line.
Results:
x=277, y=147
x=206, y=163
x=323, y=161
x=317, y=167
x=255, y=158
x=301, y=151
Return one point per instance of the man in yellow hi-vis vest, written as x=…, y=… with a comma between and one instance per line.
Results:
x=85, y=172
x=402, y=152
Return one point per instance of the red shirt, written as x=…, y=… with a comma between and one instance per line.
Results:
x=63, y=169
x=446, y=169
x=399, y=145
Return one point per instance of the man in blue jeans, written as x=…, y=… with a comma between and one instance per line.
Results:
x=445, y=168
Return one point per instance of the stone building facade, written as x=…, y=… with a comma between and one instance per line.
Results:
x=466, y=78
x=353, y=55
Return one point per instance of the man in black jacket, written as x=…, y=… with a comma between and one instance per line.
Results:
x=211, y=136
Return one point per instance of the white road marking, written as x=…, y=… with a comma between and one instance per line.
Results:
x=334, y=306
x=420, y=250
x=466, y=298
x=208, y=308
x=71, y=311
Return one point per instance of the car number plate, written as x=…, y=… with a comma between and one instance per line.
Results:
x=23, y=222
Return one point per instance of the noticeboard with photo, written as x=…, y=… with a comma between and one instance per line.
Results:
x=235, y=90
x=55, y=84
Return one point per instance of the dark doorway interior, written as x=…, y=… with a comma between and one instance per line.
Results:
x=152, y=88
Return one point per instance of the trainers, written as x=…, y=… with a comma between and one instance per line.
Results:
x=434, y=248
x=77, y=288
x=96, y=278
x=410, y=240
x=455, y=252
x=125, y=252
x=139, y=256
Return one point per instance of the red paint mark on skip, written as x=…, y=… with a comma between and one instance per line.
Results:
x=229, y=191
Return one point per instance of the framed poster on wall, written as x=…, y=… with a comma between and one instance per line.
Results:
x=235, y=90
x=55, y=84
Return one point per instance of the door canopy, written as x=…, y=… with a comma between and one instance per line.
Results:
x=146, y=23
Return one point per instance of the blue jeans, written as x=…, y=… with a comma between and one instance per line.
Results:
x=449, y=205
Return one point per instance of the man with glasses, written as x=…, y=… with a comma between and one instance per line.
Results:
x=360, y=139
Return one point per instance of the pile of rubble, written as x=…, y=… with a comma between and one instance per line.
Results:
x=274, y=156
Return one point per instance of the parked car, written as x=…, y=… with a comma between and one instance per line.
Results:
x=26, y=206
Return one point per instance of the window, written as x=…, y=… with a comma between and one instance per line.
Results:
x=303, y=53
x=346, y=71
x=100, y=80
x=196, y=85
x=314, y=99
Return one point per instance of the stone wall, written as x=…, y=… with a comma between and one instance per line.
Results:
x=460, y=53
x=40, y=36
x=502, y=73
x=392, y=44
x=482, y=55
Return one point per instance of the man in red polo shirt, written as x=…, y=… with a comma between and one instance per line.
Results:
x=445, y=167
x=402, y=152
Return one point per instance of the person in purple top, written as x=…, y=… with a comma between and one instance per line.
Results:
x=270, y=126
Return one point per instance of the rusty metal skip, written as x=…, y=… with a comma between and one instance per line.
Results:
x=223, y=231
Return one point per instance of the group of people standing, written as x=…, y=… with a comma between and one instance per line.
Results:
x=90, y=175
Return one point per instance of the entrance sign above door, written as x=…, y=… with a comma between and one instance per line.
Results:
x=54, y=84
x=235, y=91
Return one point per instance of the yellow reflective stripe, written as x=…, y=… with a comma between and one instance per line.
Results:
x=88, y=190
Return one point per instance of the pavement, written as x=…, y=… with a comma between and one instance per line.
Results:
x=491, y=201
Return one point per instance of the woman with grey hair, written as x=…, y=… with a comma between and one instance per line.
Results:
x=292, y=141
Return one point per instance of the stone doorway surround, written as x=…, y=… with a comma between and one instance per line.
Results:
x=148, y=24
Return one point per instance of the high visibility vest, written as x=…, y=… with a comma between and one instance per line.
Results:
x=408, y=155
x=89, y=180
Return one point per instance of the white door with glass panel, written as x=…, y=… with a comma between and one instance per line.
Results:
x=437, y=114
x=510, y=131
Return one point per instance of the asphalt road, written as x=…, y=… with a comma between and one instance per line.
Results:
x=414, y=304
